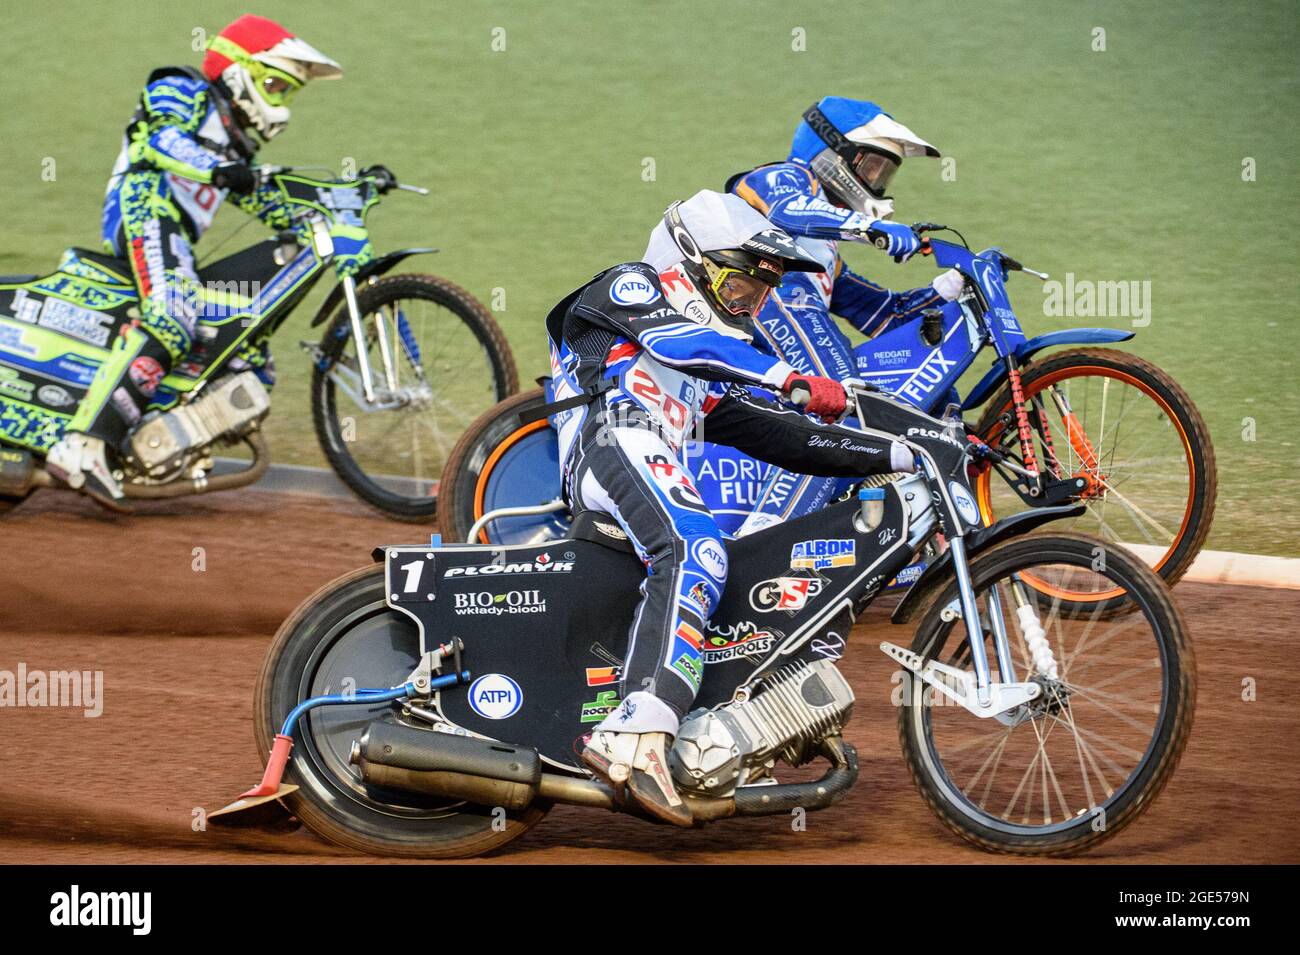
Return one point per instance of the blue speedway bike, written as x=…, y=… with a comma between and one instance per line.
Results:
x=435, y=703
x=1084, y=423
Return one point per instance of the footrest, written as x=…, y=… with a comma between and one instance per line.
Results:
x=960, y=686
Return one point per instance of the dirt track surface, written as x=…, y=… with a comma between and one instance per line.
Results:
x=180, y=649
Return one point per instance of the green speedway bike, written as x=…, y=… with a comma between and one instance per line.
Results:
x=388, y=341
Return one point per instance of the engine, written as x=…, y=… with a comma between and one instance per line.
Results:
x=227, y=408
x=785, y=716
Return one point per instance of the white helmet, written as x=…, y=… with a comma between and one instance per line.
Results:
x=261, y=65
x=718, y=258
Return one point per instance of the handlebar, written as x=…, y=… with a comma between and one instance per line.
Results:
x=265, y=171
x=1009, y=264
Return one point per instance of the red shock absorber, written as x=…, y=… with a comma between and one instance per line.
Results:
x=1049, y=450
x=1022, y=421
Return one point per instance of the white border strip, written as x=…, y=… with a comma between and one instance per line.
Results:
x=1229, y=567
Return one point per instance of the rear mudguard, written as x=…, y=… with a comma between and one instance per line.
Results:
x=1066, y=336
x=375, y=269
x=940, y=571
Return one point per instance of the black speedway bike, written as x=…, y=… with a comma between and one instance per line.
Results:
x=381, y=414
x=435, y=705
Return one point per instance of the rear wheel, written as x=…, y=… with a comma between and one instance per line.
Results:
x=1084, y=759
x=344, y=636
x=1126, y=429
x=450, y=361
x=500, y=462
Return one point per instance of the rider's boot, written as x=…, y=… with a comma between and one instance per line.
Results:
x=81, y=462
x=629, y=749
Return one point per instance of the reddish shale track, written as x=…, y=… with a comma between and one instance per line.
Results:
x=180, y=651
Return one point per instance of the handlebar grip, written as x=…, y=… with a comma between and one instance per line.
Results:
x=878, y=239
x=925, y=247
x=800, y=395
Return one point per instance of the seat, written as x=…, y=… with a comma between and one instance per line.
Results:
x=600, y=528
x=17, y=279
x=109, y=263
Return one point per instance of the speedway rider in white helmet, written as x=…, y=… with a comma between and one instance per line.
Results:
x=640, y=355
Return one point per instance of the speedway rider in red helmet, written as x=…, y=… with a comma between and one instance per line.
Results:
x=188, y=147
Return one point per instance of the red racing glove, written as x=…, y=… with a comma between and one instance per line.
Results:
x=817, y=395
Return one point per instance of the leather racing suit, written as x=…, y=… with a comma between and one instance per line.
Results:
x=160, y=200
x=652, y=374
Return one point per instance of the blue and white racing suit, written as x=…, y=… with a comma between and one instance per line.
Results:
x=797, y=322
x=652, y=375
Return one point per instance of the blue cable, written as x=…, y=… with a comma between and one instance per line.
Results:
x=367, y=696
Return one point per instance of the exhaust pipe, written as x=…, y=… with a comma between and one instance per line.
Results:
x=458, y=767
x=19, y=475
x=818, y=794
x=498, y=774
x=18, y=472
x=489, y=773
x=206, y=485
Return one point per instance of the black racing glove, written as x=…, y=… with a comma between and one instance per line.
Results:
x=235, y=176
x=383, y=177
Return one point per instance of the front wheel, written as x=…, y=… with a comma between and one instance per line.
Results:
x=1080, y=762
x=437, y=357
x=345, y=636
x=1133, y=436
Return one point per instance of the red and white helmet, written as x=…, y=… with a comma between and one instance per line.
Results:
x=262, y=65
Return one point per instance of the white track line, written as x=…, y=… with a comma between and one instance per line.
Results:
x=1229, y=567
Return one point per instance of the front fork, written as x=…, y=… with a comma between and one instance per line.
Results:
x=1031, y=628
x=1078, y=439
x=359, y=337
x=400, y=331
x=967, y=602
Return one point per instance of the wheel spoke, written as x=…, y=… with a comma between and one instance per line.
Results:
x=1113, y=711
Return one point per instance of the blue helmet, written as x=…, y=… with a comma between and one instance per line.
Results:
x=854, y=148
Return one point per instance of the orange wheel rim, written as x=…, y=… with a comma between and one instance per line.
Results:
x=480, y=488
x=984, y=483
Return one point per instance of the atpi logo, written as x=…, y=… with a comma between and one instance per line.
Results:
x=820, y=554
x=633, y=288
x=711, y=556
x=495, y=696
x=966, y=506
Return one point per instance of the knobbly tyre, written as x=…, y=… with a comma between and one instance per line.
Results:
x=376, y=408
x=1092, y=424
x=1028, y=725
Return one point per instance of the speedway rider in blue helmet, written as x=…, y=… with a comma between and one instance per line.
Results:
x=832, y=189
x=640, y=355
